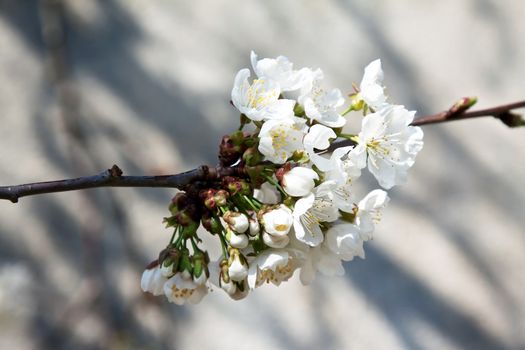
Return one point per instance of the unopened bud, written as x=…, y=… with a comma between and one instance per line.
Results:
x=238, y=222
x=239, y=240
x=221, y=198
x=252, y=156
x=255, y=228
x=211, y=224
x=185, y=265
x=237, y=266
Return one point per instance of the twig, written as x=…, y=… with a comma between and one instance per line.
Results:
x=499, y=112
x=113, y=177
x=459, y=112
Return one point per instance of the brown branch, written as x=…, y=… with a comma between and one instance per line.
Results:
x=113, y=177
x=459, y=112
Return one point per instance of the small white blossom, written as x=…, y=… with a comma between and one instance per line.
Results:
x=278, y=221
x=369, y=212
x=153, y=281
x=179, y=289
x=260, y=100
x=299, y=181
x=272, y=265
x=320, y=259
x=309, y=212
x=341, y=195
x=321, y=105
x=281, y=70
x=280, y=138
x=318, y=137
x=371, y=87
x=390, y=143
x=344, y=240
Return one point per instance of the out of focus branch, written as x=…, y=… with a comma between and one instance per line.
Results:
x=113, y=177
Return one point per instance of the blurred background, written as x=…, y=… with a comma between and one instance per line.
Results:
x=146, y=85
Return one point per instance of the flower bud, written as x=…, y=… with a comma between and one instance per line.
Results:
x=252, y=156
x=221, y=198
x=225, y=282
x=200, y=268
x=254, y=227
x=239, y=241
x=212, y=224
x=185, y=265
x=275, y=241
x=229, y=153
x=153, y=281
x=299, y=181
x=237, y=266
x=238, y=222
x=181, y=200
x=234, y=185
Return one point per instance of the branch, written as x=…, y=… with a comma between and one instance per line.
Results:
x=113, y=177
x=459, y=112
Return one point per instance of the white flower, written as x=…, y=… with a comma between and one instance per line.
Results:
x=238, y=222
x=272, y=265
x=267, y=194
x=369, y=211
x=179, y=289
x=277, y=223
x=320, y=259
x=280, y=138
x=299, y=181
x=309, y=212
x=260, y=100
x=321, y=105
x=341, y=195
x=153, y=281
x=345, y=241
x=371, y=87
x=390, y=143
x=318, y=137
x=281, y=70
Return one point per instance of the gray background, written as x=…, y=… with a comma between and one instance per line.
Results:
x=146, y=84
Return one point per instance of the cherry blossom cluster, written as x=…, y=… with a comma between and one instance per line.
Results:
x=292, y=205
